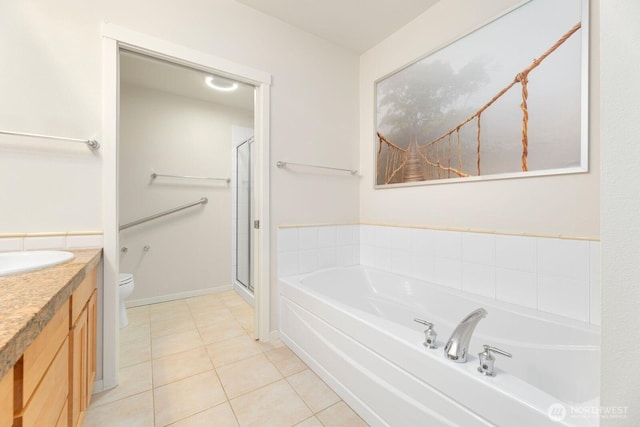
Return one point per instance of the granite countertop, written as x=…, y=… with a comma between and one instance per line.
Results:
x=28, y=302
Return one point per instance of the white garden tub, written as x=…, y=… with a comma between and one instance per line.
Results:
x=354, y=326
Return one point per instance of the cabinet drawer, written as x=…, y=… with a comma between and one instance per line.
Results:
x=82, y=294
x=6, y=401
x=49, y=399
x=38, y=356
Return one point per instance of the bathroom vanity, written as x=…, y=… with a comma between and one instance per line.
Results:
x=48, y=322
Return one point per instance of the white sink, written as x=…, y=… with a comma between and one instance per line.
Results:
x=20, y=262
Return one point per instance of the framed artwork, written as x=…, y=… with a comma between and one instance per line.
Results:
x=507, y=100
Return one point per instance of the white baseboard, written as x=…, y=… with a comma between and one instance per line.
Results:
x=180, y=295
x=274, y=335
x=98, y=386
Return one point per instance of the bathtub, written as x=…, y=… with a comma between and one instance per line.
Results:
x=354, y=327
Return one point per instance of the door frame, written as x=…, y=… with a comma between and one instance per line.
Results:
x=114, y=38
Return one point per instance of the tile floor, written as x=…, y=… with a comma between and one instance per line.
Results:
x=193, y=362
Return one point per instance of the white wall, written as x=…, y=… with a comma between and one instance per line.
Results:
x=620, y=43
x=175, y=135
x=51, y=83
x=545, y=205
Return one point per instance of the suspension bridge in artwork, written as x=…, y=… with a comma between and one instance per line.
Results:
x=442, y=157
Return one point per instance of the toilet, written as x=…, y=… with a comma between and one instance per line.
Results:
x=125, y=289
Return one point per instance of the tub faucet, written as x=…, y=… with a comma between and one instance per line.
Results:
x=456, y=348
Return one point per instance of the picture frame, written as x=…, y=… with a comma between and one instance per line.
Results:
x=507, y=100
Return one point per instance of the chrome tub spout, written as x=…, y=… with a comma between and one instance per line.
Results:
x=456, y=348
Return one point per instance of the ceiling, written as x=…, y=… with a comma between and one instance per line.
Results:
x=151, y=73
x=357, y=25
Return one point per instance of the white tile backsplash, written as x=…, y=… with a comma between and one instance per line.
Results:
x=448, y=272
x=562, y=296
x=447, y=244
x=11, y=244
x=516, y=253
x=308, y=260
x=422, y=241
x=42, y=243
x=347, y=235
x=564, y=258
x=517, y=287
x=368, y=235
x=401, y=262
x=308, y=238
x=288, y=240
x=88, y=241
x=423, y=266
x=382, y=258
x=401, y=238
x=288, y=264
x=479, y=248
x=559, y=276
x=328, y=257
x=479, y=279
x=383, y=237
x=327, y=237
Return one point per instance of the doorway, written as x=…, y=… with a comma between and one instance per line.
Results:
x=114, y=39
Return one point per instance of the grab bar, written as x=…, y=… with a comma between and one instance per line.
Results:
x=155, y=175
x=282, y=164
x=202, y=201
x=91, y=143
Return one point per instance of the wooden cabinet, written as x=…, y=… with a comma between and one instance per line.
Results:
x=82, y=337
x=41, y=376
x=51, y=383
x=6, y=402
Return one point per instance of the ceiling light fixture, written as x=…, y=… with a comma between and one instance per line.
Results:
x=210, y=82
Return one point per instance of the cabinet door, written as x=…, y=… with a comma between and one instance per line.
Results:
x=78, y=368
x=6, y=402
x=50, y=397
x=92, y=326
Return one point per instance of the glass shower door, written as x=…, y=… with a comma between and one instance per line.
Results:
x=244, y=264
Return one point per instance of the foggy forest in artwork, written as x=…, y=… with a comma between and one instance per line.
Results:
x=506, y=98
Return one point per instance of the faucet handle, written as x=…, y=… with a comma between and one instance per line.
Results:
x=487, y=360
x=430, y=334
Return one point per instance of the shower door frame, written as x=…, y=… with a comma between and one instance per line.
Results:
x=115, y=38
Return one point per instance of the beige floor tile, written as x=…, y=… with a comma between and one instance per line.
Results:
x=180, y=365
x=274, y=405
x=211, y=317
x=132, y=380
x=175, y=343
x=247, y=375
x=340, y=415
x=286, y=361
x=271, y=345
x=134, y=411
x=310, y=422
x=135, y=332
x=137, y=315
x=313, y=390
x=232, y=350
x=168, y=306
x=172, y=326
x=221, y=331
x=169, y=315
x=187, y=397
x=204, y=301
x=135, y=352
x=219, y=416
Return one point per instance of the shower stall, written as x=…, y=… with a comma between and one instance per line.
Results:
x=243, y=160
